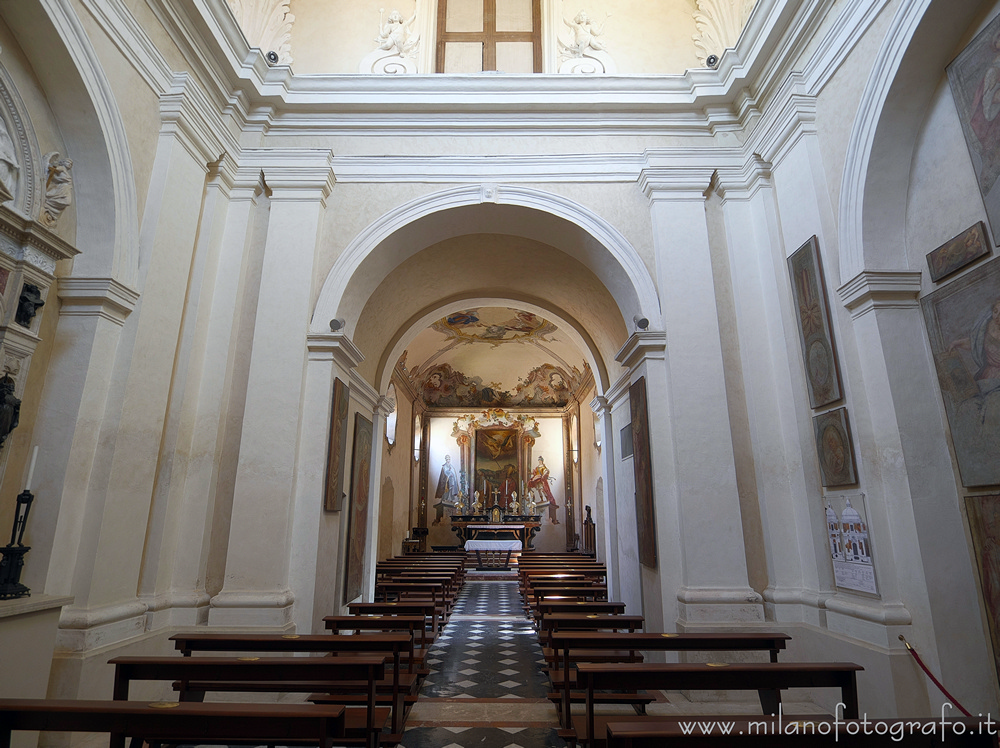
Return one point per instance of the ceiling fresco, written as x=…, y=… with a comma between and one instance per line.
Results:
x=494, y=357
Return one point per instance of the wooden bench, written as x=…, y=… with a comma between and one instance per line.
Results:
x=405, y=592
x=157, y=722
x=802, y=731
x=584, y=622
x=573, y=647
x=392, y=689
x=767, y=678
x=415, y=625
x=409, y=608
x=194, y=676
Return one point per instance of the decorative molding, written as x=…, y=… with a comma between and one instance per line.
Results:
x=790, y=116
x=32, y=242
x=96, y=297
x=587, y=168
x=25, y=197
x=266, y=24
x=744, y=182
x=292, y=173
x=881, y=289
x=187, y=113
x=641, y=346
x=673, y=183
x=336, y=347
x=132, y=41
x=719, y=23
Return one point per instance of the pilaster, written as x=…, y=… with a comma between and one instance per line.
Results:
x=696, y=493
x=256, y=588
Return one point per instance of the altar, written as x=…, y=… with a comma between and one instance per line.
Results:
x=522, y=528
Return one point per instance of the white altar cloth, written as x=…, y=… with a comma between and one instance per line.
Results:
x=492, y=545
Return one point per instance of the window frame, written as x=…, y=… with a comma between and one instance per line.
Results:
x=489, y=36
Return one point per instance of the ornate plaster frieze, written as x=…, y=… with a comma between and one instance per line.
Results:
x=719, y=23
x=881, y=289
x=267, y=24
x=30, y=241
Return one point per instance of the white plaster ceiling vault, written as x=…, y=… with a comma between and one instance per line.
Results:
x=498, y=276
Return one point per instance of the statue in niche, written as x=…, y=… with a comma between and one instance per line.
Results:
x=9, y=167
x=585, y=33
x=10, y=408
x=447, y=492
x=58, y=188
x=394, y=33
x=27, y=305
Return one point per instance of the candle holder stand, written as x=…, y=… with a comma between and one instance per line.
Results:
x=12, y=561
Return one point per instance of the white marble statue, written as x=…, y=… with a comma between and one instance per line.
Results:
x=9, y=167
x=585, y=33
x=58, y=188
x=394, y=33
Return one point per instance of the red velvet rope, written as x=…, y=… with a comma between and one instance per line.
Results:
x=930, y=675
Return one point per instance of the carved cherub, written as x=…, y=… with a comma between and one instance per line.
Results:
x=394, y=33
x=585, y=33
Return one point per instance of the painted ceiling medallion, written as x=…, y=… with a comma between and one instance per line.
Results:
x=495, y=325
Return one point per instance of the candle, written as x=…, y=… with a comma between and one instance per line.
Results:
x=31, y=468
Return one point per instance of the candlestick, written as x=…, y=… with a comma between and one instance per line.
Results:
x=31, y=468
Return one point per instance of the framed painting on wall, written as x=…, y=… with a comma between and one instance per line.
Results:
x=815, y=335
x=337, y=448
x=984, y=522
x=958, y=252
x=496, y=474
x=642, y=467
x=963, y=324
x=835, y=448
x=357, y=523
x=974, y=77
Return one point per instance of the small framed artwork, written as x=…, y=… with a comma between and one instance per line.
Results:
x=337, y=449
x=958, y=252
x=850, y=543
x=815, y=336
x=835, y=448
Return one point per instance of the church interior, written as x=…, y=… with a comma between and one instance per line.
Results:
x=704, y=290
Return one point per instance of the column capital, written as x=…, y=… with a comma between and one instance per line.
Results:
x=96, y=297
x=641, y=346
x=675, y=183
x=601, y=406
x=293, y=173
x=881, y=289
x=334, y=346
x=742, y=182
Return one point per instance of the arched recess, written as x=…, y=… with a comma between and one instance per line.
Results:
x=537, y=215
x=63, y=59
x=920, y=42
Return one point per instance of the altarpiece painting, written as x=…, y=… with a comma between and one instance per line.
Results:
x=984, y=522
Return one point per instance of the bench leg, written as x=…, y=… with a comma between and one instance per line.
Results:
x=770, y=700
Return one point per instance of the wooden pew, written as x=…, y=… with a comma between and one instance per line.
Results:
x=570, y=647
x=802, y=732
x=395, y=686
x=409, y=608
x=583, y=622
x=157, y=722
x=767, y=678
x=194, y=676
x=415, y=625
x=404, y=592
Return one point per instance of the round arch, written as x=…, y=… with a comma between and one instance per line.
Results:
x=539, y=215
x=426, y=317
x=917, y=47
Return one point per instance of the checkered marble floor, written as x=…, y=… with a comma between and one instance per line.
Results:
x=486, y=687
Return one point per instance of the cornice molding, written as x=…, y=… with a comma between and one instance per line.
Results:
x=791, y=115
x=336, y=347
x=881, y=289
x=742, y=183
x=186, y=112
x=96, y=297
x=642, y=346
x=35, y=243
x=291, y=173
x=596, y=167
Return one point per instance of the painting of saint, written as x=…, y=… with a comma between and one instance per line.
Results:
x=447, y=491
x=963, y=324
x=974, y=77
x=539, y=491
x=496, y=465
